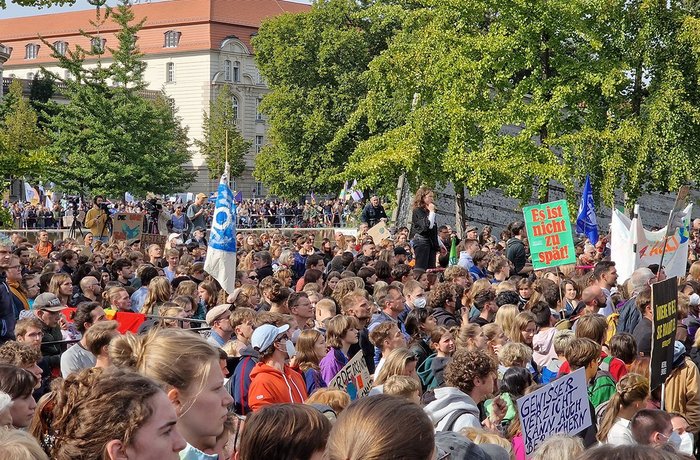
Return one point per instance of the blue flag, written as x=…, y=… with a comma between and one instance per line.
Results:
x=586, y=222
x=221, y=253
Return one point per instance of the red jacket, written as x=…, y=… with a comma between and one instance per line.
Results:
x=270, y=386
x=617, y=367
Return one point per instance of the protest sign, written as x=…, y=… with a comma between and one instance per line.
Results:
x=379, y=232
x=664, y=305
x=626, y=235
x=148, y=239
x=127, y=227
x=560, y=407
x=549, y=234
x=354, y=378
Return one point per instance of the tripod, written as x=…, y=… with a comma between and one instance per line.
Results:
x=75, y=225
x=152, y=225
x=108, y=225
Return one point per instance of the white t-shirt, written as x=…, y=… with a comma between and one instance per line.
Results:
x=620, y=433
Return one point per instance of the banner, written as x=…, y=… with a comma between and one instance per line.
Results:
x=354, y=378
x=549, y=234
x=561, y=407
x=664, y=304
x=127, y=227
x=626, y=233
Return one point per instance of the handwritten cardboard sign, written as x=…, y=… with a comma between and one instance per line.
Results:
x=354, y=378
x=549, y=234
x=127, y=227
x=148, y=239
x=379, y=232
x=560, y=407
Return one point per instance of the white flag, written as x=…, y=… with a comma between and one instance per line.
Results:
x=221, y=253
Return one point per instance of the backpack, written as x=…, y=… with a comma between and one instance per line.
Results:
x=425, y=372
x=603, y=384
x=241, y=384
x=452, y=419
x=612, y=320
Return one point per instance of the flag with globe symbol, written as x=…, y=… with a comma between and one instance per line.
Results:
x=221, y=253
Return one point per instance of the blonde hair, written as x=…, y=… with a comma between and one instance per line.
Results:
x=337, y=400
x=158, y=292
x=19, y=445
x=505, y=317
x=480, y=436
x=337, y=327
x=110, y=295
x=395, y=364
x=368, y=430
x=514, y=353
x=177, y=358
x=630, y=389
x=326, y=305
x=466, y=334
x=559, y=447
x=401, y=385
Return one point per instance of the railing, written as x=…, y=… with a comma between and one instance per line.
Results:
x=60, y=87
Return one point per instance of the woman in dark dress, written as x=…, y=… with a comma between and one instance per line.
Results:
x=424, y=228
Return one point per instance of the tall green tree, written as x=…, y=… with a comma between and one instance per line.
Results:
x=23, y=146
x=313, y=62
x=109, y=138
x=222, y=139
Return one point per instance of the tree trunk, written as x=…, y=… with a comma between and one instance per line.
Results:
x=460, y=209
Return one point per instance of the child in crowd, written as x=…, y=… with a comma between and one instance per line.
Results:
x=561, y=341
x=443, y=343
x=242, y=322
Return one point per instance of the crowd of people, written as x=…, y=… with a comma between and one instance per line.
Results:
x=450, y=344
x=251, y=213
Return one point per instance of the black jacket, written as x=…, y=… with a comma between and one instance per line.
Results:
x=515, y=252
x=420, y=226
x=373, y=215
x=7, y=313
x=444, y=317
x=367, y=349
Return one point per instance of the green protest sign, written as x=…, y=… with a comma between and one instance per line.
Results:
x=549, y=234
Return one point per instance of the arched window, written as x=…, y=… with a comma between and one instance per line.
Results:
x=227, y=70
x=234, y=105
x=98, y=45
x=236, y=71
x=172, y=39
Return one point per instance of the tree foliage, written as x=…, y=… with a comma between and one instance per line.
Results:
x=490, y=94
x=219, y=128
x=313, y=63
x=109, y=138
x=23, y=149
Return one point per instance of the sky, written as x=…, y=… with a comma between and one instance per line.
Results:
x=14, y=11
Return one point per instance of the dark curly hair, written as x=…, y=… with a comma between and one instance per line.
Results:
x=466, y=366
x=441, y=293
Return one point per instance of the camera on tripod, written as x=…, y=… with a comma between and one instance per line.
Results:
x=152, y=207
x=104, y=207
x=73, y=202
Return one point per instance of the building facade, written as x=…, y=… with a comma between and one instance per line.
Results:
x=191, y=47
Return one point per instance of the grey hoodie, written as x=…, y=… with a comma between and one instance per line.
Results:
x=447, y=400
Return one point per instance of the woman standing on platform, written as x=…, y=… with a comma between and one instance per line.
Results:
x=425, y=242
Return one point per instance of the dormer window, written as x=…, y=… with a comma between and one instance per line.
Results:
x=172, y=39
x=98, y=45
x=31, y=51
x=61, y=47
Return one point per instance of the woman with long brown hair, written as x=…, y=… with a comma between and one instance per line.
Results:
x=424, y=228
x=311, y=349
x=62, y=286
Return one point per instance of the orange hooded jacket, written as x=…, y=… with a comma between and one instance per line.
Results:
x=270, y=386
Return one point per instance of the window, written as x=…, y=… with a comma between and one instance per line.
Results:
x=98, y=45
x=30, y=76
x=172, y=39
x=31, y=51
x=258, y=143
x=258, y=188
x=236, y=71
x=227, y=70
x=170, y=72
x=258, y=114
x=234, y=104
x=61, y=47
